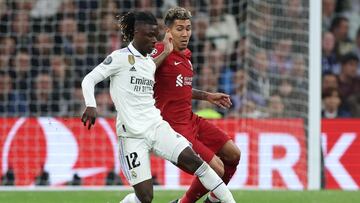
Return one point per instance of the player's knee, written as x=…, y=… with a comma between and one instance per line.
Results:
x=233, y=157
x=236, y=156
x=146, y=198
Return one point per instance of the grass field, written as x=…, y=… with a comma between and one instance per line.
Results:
x=165, y=196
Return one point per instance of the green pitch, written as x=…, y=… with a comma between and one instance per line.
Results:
x=166, y=196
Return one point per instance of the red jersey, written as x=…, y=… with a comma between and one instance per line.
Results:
x=173, y=86
x=173, y=95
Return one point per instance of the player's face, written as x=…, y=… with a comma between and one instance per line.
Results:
x=181, y=32
x=145, y=37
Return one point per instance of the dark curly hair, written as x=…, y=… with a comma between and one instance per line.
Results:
x=128, y=20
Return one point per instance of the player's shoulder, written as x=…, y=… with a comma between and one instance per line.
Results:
x=187, y=53
x=121, y=56
x=121, y=52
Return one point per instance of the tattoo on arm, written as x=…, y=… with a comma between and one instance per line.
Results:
x=199, y=94
x=160, y=58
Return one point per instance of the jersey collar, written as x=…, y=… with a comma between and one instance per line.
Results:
x=186, y=53
x=135, y=52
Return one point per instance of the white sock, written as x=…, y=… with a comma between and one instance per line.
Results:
x=213, y=182
x=130, y=198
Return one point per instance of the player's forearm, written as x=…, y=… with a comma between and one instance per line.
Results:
x=88, y=87
x=160, y=58
x=199, y=94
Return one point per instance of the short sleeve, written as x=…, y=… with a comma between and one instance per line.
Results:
x=112, y=64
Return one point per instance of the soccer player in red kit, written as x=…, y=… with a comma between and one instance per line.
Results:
x=173, y=95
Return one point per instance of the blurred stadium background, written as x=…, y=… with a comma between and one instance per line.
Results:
x=281, y=85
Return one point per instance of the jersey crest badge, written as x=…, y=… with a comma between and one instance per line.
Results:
x=154, y=51
x=131, y=59
x=133, y=174
x=108, y=60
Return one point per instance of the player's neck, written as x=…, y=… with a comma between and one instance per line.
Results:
x=138, y=49
x=179, y=50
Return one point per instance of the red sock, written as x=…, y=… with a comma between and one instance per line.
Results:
x=197, y=190
x=229, y=170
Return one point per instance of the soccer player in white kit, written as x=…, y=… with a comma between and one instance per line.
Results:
x=140, y=127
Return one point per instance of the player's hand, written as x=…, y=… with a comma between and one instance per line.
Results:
x=89, y=115
x=168, y=45
x=220, y=100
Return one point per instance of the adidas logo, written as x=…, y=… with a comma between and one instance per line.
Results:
x=132, y=69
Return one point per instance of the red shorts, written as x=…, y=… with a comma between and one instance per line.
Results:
x=206, y=138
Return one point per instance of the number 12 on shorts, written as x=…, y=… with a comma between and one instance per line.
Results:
x=131, y=160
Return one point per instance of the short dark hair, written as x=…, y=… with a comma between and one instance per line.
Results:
x=3, y=73
x=349, y=57
x=336, y=22
x=329, y=92
x=128, y=20
x=328, y=73
x=176, y=13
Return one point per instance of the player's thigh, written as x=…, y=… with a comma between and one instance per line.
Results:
x=134, y=159
x=211, y=136
x=202, y=150
x=168, y=143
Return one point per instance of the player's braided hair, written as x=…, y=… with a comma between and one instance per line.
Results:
x=176, y=13
x=128, y=20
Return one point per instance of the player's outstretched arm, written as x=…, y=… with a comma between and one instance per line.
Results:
x=110, y=66
x=88, y=88
x=219, y=99
x=168, y=48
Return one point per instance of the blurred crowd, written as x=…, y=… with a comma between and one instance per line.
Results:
x=340, y=58
x=255, y=51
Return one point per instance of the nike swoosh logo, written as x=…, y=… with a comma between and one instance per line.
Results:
x=177, y=63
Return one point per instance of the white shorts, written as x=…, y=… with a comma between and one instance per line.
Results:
x=135, y=152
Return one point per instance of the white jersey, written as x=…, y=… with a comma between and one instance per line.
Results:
x=131, y=88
